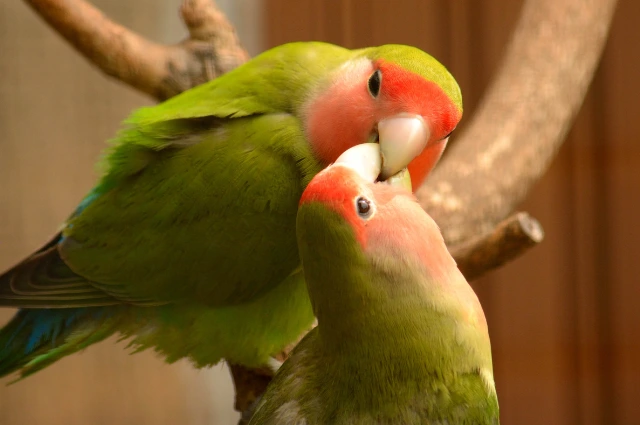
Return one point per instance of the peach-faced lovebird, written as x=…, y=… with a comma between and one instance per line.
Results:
x=401, y=336
x=187, y=244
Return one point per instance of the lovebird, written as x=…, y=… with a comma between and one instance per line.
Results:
x=187, y=243
x=401, y=336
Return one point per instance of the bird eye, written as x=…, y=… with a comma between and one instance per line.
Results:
x=374, y=83
x=364, y=208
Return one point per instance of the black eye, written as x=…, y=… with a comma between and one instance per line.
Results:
x=374, y=83
x=363, y=205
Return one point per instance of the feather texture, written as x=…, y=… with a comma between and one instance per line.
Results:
x=187, y=243
x=401, y=337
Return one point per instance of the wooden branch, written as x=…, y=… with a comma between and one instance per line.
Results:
x=249, y=384
x=523, y=118
x=160, y=71
x=510, y=239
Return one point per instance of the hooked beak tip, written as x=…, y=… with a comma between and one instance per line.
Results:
x=402, y=138
x=365, y=159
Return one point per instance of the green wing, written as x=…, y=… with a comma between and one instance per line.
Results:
x=211, y=221
x=198, y=196
x=278, y=80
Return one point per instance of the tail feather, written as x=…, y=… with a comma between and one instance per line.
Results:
x=36, y=338
x=43, y=280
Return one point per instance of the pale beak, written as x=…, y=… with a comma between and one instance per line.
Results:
x=402, y=138
x=365, y=159
x=402, y=179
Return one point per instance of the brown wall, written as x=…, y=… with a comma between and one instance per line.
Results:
x=565, y=318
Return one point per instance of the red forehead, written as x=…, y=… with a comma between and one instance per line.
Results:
x=336, y=188
x=407, y=91
x=334, y=185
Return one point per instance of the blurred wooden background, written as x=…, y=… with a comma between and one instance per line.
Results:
x=56, y=113
x=564, y=319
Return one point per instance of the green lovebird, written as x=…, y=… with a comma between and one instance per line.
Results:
x=187, y=244
x=401, y=336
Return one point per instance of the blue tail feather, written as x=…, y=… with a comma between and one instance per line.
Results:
x=35, y=338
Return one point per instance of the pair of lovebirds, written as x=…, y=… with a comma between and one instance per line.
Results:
x=230, y=216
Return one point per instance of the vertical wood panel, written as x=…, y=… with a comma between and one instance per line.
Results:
x=621, y=69
x=584, y=142
x=360, y=23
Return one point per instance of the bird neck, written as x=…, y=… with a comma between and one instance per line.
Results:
x=389, y=344
x=377, y=368
x=419, y=340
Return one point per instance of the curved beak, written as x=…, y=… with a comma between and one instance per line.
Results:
x=366, y=160
x=402, y=138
